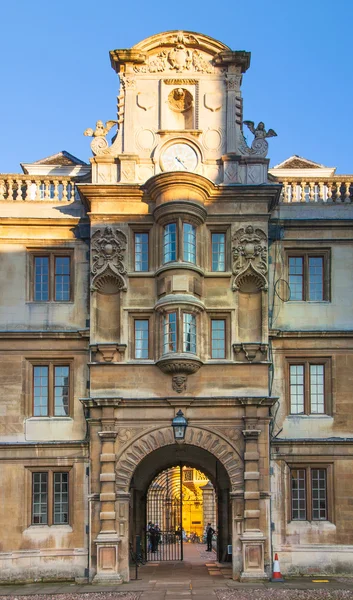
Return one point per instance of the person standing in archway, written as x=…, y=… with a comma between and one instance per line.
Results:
x=209, y=534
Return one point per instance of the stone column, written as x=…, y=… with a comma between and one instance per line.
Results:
x=108, y=540
x=208, y=505
x=252, y=538
x=237, y=500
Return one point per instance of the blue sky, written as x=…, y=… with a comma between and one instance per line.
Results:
x=57, y=80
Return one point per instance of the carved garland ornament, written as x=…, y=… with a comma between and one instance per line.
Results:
x=129, y=459
x=249, y=257
x=108, y=269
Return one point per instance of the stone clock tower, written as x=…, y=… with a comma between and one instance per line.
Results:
x=179, y=307
x=179, y=109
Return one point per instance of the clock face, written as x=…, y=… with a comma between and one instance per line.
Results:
x=179, y=157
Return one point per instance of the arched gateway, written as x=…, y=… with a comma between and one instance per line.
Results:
x=179, y=209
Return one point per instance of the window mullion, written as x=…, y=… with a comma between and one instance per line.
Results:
x=50, y=498
x=179, y=330
x=309, y=494
x=306, y=277
x=51, y=390
x=179, y=240
x=51, y=277
x=307, y=400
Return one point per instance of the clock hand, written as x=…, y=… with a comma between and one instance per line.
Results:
x=181, y=162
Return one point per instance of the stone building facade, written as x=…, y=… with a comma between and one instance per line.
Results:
x=175, y=272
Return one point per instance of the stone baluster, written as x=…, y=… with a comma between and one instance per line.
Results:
x=329, y=192
x=46, y=184
x=56, y=190
x=312, y=191
x=19, y=189
x=65, y=185
x=302, y=191
x=285, y=191
x=2, y=189
x=28, y=190
x=347, y=194
x=322, y=191
x=10, y=189
x=294, y=191
x=338, y=192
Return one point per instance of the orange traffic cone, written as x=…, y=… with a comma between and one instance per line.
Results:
x=276, y=575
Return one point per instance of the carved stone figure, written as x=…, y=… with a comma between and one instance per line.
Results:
x=99, y=144
x=108, y=249
x=179, y=383
x=250, y=255
x=259, y=145
x=180, y=100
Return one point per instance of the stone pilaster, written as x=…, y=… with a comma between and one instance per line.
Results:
x=252, y=538
x=108, y=539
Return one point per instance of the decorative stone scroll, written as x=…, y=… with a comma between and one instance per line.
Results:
x=249, y=257
x=108, y=269
x=177, y=58
x=130, y=457
x=99, y=144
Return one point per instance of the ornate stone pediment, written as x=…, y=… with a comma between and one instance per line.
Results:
x=250, y=257
x=108, y=269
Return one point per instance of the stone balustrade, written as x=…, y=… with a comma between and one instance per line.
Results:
x=336, y=189
x=39, y=188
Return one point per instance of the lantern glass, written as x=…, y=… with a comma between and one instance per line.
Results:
x=179, y=424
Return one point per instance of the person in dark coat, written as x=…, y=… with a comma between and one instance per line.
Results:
x=209, y=534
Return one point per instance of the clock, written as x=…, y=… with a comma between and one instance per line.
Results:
x=179, y=157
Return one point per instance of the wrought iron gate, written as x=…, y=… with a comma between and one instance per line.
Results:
x=164, y=516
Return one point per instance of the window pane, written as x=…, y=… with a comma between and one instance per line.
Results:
x=218, y=349
x=40, y=498
x=317, y=394
x=218, y=251
x=61, y=498
x=189, y=333
x=296, y=274
x=41, y=278
x=189, y=237
x=141, y=251
x=319, y=502
x=316, y=278
x=169, y=243
x=141, y=338
x=169, y=333
x=61, y=391
x=296, y=389
x=62, y=278
x=298, y=494
x=40, y=391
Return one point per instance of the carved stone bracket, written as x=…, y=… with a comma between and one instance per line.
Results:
x=108, y=269
x=108, y=352
x=179, y=367
x=251, y=351
x=249, y=258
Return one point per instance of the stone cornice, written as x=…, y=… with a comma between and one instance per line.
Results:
x=79, y=334
x=277, y=333
x=118, y=401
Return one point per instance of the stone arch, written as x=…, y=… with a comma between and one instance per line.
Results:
x=215, y=443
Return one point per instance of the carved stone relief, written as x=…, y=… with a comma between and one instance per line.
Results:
x=250, y=256
x=212, y=139
x=179, y=383
x=213, y=101
x=108, y=269
x=259, y=146
x=225, y=450
x=180, y=100
x=146, y=100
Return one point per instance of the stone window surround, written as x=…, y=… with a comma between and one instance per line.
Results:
x=305, y=253
x=220, y=316
x=141, y=316
x=50, y=470
x=180, y=311
x=49, y=362
x=227, y=257
x=51, y=253
x=136, y=228
x=307, y=360
x=307, y=466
